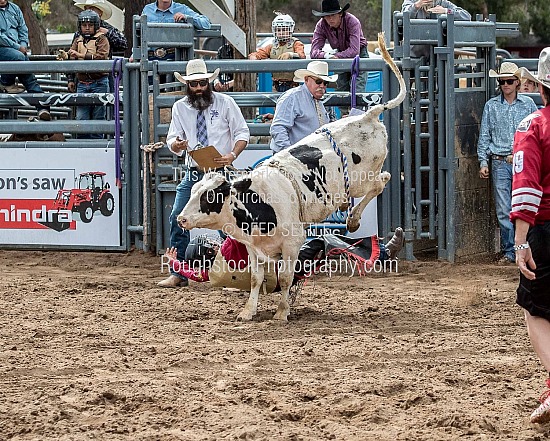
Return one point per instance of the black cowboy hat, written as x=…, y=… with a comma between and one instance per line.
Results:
x=330, y=7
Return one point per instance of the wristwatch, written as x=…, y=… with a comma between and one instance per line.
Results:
x=234, y=154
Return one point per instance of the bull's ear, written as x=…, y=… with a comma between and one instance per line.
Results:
x=242, y=185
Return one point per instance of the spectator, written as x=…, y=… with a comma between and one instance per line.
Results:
x=528, y=86
x=168, y=11
x=343, y=32
x=225, y=81
x=286, y=47
x=531, y=215
x=14, y=42
x=223, y=127
x=117, y=40
x=300, y=111
x=90, y=44
x=501, y=116
x=430, y=9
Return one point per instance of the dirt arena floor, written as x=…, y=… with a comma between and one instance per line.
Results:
x=90, y=348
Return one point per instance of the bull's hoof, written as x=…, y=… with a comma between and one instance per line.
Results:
x=245, y=316
x=281, y=316
x=282, y=313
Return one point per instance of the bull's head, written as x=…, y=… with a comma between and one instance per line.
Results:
x=204, y=209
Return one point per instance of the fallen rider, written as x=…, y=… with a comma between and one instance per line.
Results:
x=226, y=264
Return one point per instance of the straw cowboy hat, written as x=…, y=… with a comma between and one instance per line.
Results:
x=102, y=5
x=507, y=69
x=196, y=70
x=543, y=74
x=317, y=69
x=330, y=7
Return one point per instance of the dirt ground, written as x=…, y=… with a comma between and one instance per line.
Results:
x=90, y=348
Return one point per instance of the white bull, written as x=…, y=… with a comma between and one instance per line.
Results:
x=267, y=208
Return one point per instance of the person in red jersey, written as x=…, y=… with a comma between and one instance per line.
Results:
x=531, y=215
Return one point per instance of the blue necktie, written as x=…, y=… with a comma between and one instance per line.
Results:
x=202, y=134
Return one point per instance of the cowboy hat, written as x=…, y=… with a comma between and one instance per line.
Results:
x=543, y=73
x=507, y=69
x=330, y=7
x=196, y=70
x=317, y=69
x=102, y=5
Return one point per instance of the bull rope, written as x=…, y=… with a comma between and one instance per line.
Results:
x=148, y=151
x=344, y=161
x=290, y=177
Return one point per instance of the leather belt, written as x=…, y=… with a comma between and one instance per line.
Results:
x=507, y=158
x=161, y=52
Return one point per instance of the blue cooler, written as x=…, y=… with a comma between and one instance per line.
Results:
x=265, y=84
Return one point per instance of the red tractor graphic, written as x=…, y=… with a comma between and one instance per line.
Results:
x=91, y=195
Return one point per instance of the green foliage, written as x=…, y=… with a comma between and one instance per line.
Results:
x=533, y=16
x=64, y=29
x=540, y=19
x=41, y=8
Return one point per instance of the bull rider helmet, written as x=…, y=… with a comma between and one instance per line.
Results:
x=88, y=17
x=282, y=27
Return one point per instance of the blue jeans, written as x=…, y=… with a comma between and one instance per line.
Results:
x=92, y=112
x=501, y=173
x=28, y=80
x=179, y=238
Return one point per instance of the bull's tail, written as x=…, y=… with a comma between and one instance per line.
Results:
x=377, y=110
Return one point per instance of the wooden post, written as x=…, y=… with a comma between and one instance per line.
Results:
x=245, y=17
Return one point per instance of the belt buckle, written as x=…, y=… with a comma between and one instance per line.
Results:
x=160, y=52
x=509, y=159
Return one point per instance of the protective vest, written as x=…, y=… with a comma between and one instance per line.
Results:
x=279, y=49
x=88, y=45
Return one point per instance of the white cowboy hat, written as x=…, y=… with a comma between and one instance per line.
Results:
x=507, y=69
x=196, y=70
x=543, y=74
x=317, y=69
x=99, y=4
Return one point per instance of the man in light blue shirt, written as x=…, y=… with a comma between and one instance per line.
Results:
x=14, y=42
x=168, y=11
x=300, y=111
x=501, y=116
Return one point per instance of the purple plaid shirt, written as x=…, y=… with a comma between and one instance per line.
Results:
x=348, y=39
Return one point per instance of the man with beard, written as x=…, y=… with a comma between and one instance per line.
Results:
x=201, y=118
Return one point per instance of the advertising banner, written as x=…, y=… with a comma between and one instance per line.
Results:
x=59, y=196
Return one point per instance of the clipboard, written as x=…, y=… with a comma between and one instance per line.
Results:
x=204, y=157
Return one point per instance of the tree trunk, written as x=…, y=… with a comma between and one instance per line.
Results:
x=37, y=34
x=131, y=8
x=245, y=17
